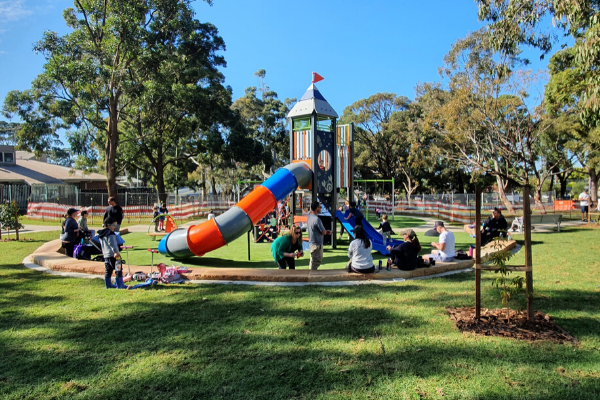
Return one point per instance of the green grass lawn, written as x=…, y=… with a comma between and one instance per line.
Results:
x=235, y=255
x=67, y=338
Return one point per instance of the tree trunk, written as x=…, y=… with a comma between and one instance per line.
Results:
x=563, y=178
x=538, y=198
x=213, y=185
x=501, y=189
x=593, y=184
x=409, y=187
x=160, y=176
x=112, y=141
x=502, y=194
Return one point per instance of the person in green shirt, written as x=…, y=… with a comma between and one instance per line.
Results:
x=286, y=248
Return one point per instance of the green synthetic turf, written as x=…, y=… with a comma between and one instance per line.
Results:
x=235, y=255
x=69, y=338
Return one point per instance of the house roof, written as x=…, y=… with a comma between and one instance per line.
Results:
x=32, y=171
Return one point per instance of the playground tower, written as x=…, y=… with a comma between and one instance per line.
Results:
x=327, y=148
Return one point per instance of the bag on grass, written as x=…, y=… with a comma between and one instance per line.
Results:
x=461, y=255
x=78, y=251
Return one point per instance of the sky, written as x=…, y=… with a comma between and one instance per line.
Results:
x=359, y=47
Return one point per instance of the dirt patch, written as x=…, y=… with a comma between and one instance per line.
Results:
x=495, y=322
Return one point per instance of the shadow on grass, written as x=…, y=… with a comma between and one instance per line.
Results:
x=256, y=346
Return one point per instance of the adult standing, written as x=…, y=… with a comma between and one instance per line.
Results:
x=445, y=247
x=404, y=255
x=359, y=252
x=584, y=203
x=287, y=247
x=494, y=226
x=114, y=211
x=316, y=231
x=70, y=233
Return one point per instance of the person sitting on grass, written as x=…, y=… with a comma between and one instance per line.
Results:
x=404, y=256
x=287, y=248
x=110, y=252
x=445, y=247
x=359, y=252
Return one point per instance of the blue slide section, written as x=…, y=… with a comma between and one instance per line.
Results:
x=375, y=237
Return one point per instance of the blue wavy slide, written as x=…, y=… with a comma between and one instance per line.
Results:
x=374, y=236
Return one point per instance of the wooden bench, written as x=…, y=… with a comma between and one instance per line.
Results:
x=540, y=219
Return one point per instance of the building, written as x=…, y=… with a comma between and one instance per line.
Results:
x=23, y=174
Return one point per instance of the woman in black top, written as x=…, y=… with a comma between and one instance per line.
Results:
x=70, y=234
x=404, y=256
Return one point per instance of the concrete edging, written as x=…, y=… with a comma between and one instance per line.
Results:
x=47, y=259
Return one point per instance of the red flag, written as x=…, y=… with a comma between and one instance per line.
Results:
x=316, y=77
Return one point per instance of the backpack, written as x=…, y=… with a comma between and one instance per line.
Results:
x=461, y=255
x=78, y=250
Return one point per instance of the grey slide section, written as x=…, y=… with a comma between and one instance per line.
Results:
x=302, y=172
x=177, y=245
x=233, y=223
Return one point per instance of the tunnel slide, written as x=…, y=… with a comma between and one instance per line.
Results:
x=200, y=239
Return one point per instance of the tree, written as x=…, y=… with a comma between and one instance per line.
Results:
x=8, y=132
x=93, y=74
x=562, y=101
x=514, y=23
x=9, y=217
x=485, y=123
x=264, y=117
x=180, y=96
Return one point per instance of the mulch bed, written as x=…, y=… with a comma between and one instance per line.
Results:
x=495, y=323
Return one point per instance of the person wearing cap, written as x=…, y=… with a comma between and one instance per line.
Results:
x=494, y=226
x=404, y=256
x=584, y=203
x=70, y=232
x=445, y=247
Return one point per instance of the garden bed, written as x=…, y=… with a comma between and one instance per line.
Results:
x=494, y=322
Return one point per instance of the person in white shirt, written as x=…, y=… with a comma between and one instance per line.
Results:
x=359, y=252
x=445, y=247
x=211, y=215
x=584, y=203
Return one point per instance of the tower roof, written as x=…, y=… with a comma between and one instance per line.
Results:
x=312, y=100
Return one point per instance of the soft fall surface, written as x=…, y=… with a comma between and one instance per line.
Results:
x=71, y=338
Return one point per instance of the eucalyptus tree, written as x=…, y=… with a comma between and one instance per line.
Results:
x=485, y=122
x=541, y=24
x=264, y=116
x=563, y=101
x=94, y=75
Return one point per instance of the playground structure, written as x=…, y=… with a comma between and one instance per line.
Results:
x=170, y=226
x=322, y=162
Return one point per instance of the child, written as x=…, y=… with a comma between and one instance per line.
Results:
x=378, y=212
x=155, y=219
x=386, y=229
x=110, y=251
x=211, y=214
x=161, y=220
x=82, y=222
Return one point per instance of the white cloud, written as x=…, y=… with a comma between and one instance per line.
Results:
x=13, y=10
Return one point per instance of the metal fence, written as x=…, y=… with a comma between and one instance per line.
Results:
x=18, y=192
